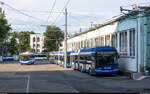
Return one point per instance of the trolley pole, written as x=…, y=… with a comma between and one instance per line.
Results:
x=65, y=39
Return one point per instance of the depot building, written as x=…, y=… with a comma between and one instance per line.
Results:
x=129, y=33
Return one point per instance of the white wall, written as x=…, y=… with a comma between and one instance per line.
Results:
x=41, y=36
x=127, y=64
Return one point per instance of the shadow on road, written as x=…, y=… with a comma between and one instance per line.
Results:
x=9, y=62
x=41, y=62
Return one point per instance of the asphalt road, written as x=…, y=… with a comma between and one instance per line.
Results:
x=60, y=80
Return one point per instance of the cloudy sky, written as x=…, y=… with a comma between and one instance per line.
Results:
x=34, y=14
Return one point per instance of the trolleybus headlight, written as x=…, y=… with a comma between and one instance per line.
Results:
x=116, y=70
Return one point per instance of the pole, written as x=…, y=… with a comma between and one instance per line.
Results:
x=36, y=43
x=19, y=50
x=56, y=44
x=2, y=49
x=65, y=37
x=91, y=24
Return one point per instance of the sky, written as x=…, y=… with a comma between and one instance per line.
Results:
x=35, y=14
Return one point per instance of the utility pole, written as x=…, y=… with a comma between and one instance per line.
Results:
x=36, y=43
x=91, y=24
x=80, y=30
x=19, y=49
x=56, y=44
x=65, y=37
x=2, y=50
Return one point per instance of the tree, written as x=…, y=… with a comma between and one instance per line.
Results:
x=24, y=40
x=13, y=45
x=53, y=38
x=4, y=30
x=4, y=26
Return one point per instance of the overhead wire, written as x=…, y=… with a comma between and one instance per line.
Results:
x=51, y=10
x=61, y=12
x=20, y=11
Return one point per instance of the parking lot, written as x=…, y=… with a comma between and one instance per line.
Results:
x=46, y=77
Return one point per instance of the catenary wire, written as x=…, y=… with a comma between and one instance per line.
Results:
x=51, y=10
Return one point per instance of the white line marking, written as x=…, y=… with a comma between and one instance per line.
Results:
x=76, y=91
x=28, y=83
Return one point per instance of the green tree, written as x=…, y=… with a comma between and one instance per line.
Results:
x=13, y=45
x=53, y=37
x=4, y=29
x=24, y=40
x=4, y=26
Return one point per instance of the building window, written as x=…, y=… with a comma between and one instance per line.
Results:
x=91, y=42
x=79, y=45
x=72, y=45
x=114, y=40
x=87, y=43
x=38, y=45
x=33, y=45
x=38, y=39
x=102, y=41
x=33, y=39
x=96, y=41
x=76, y=45
x=84, y=43
x=132, y=42
x=123, y=43
x=107, y=40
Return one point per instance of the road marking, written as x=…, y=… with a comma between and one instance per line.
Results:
x=28, y=83
x=67, y=83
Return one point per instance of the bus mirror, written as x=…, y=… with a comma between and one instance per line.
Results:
x=118, y=56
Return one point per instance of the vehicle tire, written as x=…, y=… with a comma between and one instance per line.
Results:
x=81, y=69
x=90, y=72
x=78, y=68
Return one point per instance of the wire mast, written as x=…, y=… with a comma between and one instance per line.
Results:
x=65, y=37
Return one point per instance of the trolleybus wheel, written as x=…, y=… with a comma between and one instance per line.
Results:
x=81, y=69
x=90, y=72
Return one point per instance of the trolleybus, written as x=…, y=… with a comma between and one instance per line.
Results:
x=98, y=60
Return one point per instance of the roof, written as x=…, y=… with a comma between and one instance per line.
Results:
x=39, y=53
x=117, y=18
x=68, y=52
x=99, y=48
x=25, y=53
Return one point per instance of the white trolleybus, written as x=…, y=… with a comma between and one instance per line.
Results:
x=96, y=60
x=26, y=58
x=58, y=58
x=40, y=56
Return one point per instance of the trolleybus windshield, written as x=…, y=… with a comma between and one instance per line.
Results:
x=24, y=58
x=106, y=58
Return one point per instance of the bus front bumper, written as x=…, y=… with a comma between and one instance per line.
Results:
x=25, y=62
x=114, y=71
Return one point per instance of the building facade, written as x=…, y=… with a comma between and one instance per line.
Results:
x=37, y=42
x=129, y=33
